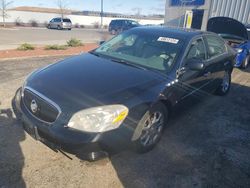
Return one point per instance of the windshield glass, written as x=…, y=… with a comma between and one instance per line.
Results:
x=146, y=50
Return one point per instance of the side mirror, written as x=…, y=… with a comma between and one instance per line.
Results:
x=101, y=42
x=195, y=64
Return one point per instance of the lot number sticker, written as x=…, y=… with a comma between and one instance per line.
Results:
x=169, y=40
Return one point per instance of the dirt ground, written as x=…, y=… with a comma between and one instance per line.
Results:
x=206, y=145
x=41, y=52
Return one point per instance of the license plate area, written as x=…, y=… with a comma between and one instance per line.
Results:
x=30, y=129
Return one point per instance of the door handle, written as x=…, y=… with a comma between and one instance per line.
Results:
x=207, y=74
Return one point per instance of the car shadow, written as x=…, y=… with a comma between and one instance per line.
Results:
x=11, y=156
x=205, y=145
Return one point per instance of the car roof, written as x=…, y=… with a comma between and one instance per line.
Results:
x=181, y=33
x=121, y=20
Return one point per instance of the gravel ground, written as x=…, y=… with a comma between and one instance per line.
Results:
x=207, y=145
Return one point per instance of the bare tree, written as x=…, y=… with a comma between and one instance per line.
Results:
x=62, y=5
x=137, y=11
x=4, y=4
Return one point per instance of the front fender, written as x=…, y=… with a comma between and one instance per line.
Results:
x=241, y=57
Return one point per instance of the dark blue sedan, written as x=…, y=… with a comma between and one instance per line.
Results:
x=122, y=94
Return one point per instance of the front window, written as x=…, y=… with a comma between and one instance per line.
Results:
x=197, y=50
x=146, y=50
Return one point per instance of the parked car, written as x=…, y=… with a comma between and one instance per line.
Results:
x=122, y=93
x=237, y=36
x=118, y=26
x=60, y=23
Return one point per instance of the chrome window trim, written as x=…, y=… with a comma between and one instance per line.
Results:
x=47, y=100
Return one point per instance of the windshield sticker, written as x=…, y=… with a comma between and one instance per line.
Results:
x=169, y=40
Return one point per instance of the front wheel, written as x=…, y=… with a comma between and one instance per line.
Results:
x=151, y=125
x=246, y=62
x=225, y=86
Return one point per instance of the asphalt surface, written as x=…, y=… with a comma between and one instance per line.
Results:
x=11, y=38
x=206, y=145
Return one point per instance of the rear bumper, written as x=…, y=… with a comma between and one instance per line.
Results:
x=66, y=27
x=57, y=137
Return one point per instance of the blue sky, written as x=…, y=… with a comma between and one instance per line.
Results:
x=119, y=6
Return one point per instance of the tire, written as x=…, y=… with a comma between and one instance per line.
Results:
x=49, y=27
x=246, y=62
x=151, y=132
x=59, y=27
x=225, y=85
x=69, y=29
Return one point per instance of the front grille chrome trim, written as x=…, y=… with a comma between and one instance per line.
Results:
x=49, y=101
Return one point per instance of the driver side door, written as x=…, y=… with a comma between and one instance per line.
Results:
x=193, y=82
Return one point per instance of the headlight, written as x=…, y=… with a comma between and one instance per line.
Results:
x=239, y=50
x=99, y=119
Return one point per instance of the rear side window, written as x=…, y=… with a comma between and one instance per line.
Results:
x=216, y=46
x=67, y=20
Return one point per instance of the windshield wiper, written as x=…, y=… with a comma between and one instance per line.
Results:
x=94, y=53
x=127, y=63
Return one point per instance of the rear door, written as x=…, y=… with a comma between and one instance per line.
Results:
x=217, y=59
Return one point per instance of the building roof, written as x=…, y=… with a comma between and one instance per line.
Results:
x=43, y=10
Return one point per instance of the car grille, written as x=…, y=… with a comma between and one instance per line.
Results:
x=40, y=107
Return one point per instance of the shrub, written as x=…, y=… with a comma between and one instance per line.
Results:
x=18, y=22
x=77, y=25
x=45, y=24
x=25, y=47
x=55, y=47
x=33, y=23
x=105, y=27
x=96, y=25
x=74, y=42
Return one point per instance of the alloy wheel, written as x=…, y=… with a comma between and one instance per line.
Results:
x=226, y=82
x=153, y=127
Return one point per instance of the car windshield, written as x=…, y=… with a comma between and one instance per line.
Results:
x=145, y=50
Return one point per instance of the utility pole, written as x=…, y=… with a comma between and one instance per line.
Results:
x=101, y=13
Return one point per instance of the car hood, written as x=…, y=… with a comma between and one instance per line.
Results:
x=87, y=81
x=227, y=28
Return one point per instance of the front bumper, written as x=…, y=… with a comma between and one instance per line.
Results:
x=57, y=137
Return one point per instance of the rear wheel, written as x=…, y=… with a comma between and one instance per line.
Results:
x=246, y=62
x=152, y=125
x=59, y=27
x=224, y=88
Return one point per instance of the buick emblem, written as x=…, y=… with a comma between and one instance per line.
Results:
x=33, y=106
